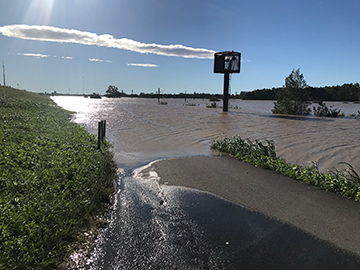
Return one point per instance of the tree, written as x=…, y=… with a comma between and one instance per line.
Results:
x=113, y=91
x=294, y=97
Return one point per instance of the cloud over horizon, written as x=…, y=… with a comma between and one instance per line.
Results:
x=55, y=34
x=141, y=65
x=38, y=55
x=99, y=60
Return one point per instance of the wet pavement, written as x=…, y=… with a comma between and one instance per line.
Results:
x=169, y=227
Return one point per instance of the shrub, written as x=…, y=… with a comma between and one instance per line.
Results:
x=323, y=111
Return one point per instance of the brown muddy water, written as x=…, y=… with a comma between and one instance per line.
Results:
x=142, y=131
x=152, y=226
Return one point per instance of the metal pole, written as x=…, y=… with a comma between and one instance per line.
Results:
x=226, y=92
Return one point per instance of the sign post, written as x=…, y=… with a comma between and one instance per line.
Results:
x=226, y=91
x=227, y=62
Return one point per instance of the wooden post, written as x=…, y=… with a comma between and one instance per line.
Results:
x=104, y=128
x=103, y=123
x=99, y=134
x=226, y=92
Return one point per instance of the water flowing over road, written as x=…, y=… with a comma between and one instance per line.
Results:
x=153, y=226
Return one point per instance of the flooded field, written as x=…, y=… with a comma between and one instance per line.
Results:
x=142, y=130
x=153, y=226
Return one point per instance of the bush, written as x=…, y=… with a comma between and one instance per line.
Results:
x=323, y=111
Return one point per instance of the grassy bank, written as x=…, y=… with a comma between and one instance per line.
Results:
x=52, y=180
x=262, y=154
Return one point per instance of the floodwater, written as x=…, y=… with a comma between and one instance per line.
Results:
x=142, y=131
x=164, y=227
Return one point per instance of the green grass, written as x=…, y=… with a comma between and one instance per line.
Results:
x=52, y=180
x=262, y=154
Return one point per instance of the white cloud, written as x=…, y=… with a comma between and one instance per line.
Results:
x=245, y=60
x=99, y=60
x=37, y=55
x=142, y=65
x=55, y=34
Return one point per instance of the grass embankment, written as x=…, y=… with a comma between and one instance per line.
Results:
x=262, y=154
x=52, y=180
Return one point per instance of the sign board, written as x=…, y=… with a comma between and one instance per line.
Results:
x=227, y=62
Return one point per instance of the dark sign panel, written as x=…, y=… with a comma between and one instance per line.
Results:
x=227, y=62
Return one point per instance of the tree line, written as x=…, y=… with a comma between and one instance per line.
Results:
x=113, y=92
x=345, y=92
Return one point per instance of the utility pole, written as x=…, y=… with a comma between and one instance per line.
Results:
x=4, y=74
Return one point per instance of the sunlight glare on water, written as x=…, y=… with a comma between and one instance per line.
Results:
x=86, y=109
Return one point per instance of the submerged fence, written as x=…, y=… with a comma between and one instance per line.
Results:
x=101, y=132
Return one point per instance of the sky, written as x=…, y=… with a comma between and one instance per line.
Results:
x=83, y=46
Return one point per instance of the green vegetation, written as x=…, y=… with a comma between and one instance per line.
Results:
x=95, y=95
x=262, y=154
x=294, y=98
x=259, y=94
x=113, y=92
x=212, y=105
x=323, y=111
x=353, y=115
x=53, y=180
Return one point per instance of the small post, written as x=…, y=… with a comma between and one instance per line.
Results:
x=226, y=92
x=100, y=129
x=104, y=128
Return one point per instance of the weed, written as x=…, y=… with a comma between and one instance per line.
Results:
x=262, y=154
x=212, y=105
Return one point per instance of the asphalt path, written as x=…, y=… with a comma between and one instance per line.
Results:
x=310, y=212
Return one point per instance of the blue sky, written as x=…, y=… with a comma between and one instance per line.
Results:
x=87, y=45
